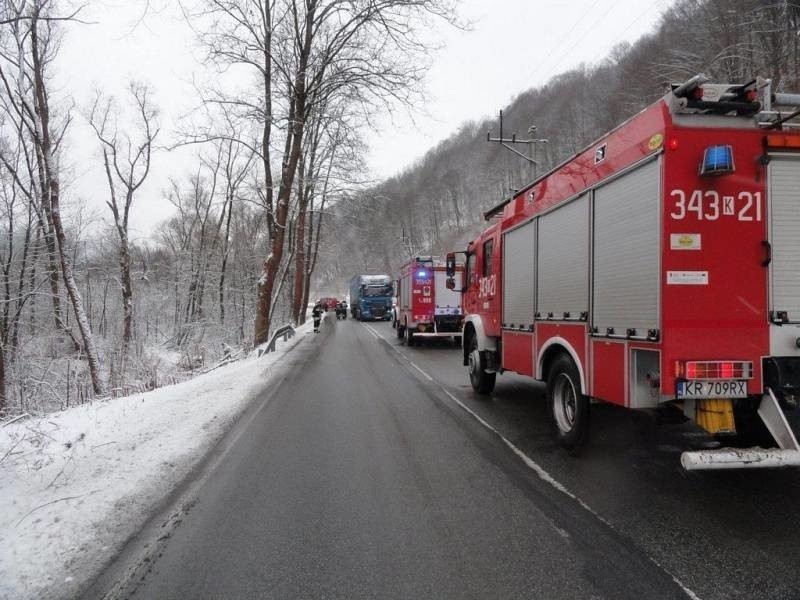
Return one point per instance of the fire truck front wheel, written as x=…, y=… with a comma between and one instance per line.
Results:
x=409, y=336
x=568, y=405
x=482, y=382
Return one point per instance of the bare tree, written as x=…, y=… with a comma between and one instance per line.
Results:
x=33, y=24
x=127, y=165
x=305, y=53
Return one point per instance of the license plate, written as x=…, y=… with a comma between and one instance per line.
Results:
x=712, y=389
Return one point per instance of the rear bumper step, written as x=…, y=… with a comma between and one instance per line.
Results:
x=786, y=455
x=735, y=458
x=440, y=334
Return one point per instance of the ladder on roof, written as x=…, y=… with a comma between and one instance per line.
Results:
x=752, y=99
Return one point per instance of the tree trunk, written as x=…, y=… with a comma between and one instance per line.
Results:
x=127, y=290
x=292, y=153
x=45, y=155
x=3, y=402
x=300, y=259
x=312, y=263
x=225, y=250
x=54, y=277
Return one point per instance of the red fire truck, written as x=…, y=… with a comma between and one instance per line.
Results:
x=426, y=307
x=659, y=267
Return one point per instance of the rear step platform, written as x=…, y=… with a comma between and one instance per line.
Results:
x=786, y=455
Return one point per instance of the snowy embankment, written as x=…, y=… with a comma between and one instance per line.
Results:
x=75, y=485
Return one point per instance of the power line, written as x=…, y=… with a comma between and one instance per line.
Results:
x=553, y=70
x=538, y=67
x=578, y=41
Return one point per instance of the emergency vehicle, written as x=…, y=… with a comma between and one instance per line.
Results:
x=658, y=267
x=328, y=303
x=426, y=307
x=371, y=297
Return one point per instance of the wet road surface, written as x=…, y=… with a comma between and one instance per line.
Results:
x=374, y=471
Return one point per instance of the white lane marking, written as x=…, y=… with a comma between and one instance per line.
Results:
x=421, y=371
x=528, y=461
x=378, y=334
x=372, y=331
x=685, y=589
x=545, y=476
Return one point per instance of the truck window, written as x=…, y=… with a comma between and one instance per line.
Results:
x=470, y=267
x=488, y=245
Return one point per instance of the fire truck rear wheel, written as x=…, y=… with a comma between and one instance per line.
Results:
x=482, y=382
x=568, y=405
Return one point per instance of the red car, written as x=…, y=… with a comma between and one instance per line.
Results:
x=329, y=303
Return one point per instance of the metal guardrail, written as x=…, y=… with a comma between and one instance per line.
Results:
x=286, y=332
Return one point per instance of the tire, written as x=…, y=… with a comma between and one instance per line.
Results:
x=409, y=336
x=569, y=407
x=401, y=332
x=482, y=382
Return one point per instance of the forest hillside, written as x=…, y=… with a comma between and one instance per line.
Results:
x=437, y=204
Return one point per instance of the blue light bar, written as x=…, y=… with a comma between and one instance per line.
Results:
x=717, y=160
x=421, y=274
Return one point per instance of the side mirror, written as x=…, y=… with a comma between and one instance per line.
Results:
x=450, y=265
x=450, y=283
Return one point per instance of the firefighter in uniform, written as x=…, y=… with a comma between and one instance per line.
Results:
x=316, y=313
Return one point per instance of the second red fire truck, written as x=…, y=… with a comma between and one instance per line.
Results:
x=426, y=307
x=658, y=267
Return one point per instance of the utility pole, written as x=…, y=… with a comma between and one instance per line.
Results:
x=531, y=142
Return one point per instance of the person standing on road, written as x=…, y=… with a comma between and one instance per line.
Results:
x=316, y=314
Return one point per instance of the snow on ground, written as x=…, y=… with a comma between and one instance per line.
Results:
x=75, y=485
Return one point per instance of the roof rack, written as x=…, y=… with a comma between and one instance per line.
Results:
x=698, y=96
x=752, y=99
x=780, y=110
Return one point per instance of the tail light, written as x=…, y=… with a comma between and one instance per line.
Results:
x=713, y=369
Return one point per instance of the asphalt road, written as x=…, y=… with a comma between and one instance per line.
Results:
x=373, y=471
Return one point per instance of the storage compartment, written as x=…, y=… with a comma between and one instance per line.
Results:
x=563, y=266
x=627, y=242
x=644, y=369
x=519, y=260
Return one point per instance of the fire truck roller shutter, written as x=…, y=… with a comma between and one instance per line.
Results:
x=405, y=291
x=626, y=252
x=563, y=261
x=784, y=197
x=445, y=298
x=519, y=247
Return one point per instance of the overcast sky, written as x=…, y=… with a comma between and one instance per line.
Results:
x=513, y=45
